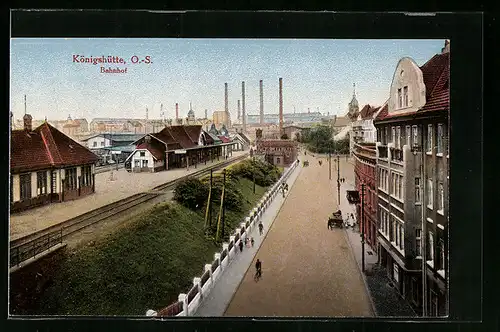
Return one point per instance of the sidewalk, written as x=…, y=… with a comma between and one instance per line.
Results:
x=222, y=292
x=387, y=302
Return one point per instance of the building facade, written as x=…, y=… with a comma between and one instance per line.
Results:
x=412, y=174
x=278, y=152
x=365, y=165
x=363, y=129
x=47, y=166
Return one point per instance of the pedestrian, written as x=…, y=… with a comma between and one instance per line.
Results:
x=261, y=228
x=258, y=269
x=252, y=241
x=241, y=246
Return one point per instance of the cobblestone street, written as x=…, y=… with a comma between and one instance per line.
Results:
x=307, y=269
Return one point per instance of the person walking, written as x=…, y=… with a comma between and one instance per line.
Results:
x=241, y=246
x=252, y=241
x=258, y=270
x=261, y=228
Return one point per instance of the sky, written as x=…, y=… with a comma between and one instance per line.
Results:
x=317, y=75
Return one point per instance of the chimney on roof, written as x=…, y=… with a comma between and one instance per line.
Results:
x=28, y=122
x=261, y=103
x=239, y=110
x=281, y=106
x=446, y=47
x=243, y=107
x=177, y=111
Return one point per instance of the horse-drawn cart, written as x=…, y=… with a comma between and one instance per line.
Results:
x=335, y=220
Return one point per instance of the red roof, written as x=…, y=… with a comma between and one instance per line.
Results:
x=166, y=137
x=224, y=139
x=193, y=132
x=157, y=153
x=182, y=137
x=436, y=74
x=46, y=147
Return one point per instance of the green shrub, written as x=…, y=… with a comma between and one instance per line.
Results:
x=191, y=193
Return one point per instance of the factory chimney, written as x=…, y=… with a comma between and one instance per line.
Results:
x=206, y=113
x=281, y=106
x=239, y=110
x=261, y=103
x=243, y=107
x=226, y=105
x=176, y=111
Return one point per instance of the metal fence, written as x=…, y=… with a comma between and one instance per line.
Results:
x=34, y=247
x=172, y=310
x=215, y=265
x=204, y=278
x=192, y=293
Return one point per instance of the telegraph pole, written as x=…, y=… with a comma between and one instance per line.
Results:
x=223, y=203
x=363, y=227
x=210, y=203
x=338, y=178
x=330, y=165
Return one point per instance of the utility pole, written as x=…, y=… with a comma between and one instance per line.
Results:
x=210, y=203
x=253, y=173
x=330, y=165
x=338, y=178
x=363, y=227
x=223, y=203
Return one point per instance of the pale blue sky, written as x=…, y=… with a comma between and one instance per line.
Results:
x=316, y=74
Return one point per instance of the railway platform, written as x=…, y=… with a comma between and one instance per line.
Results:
x=110, y=187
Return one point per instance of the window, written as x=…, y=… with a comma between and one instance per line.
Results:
x=393, y=187
x=137, y=163
x=71, y=179
x=393, y=135
x=102, y=143
x=401, y=194
x=429, y=138
x=278, y=160
x=398, y=137
x=417, y=190
x=144, y=163
x=142, y=153
x=400, y=98
x=441, y=255
x=41, y=183
x=418, y=242
x=405, y=96
x=429, y=193
x=402, y=246
x=440, y=139
x=396, y=272
x=431, y=247
x=25, y=186
x=95, y=144
x=408, y=136
x=415, y=135
x=441, y=198
x=86, y=175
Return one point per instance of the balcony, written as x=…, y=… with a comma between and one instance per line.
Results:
x=382, y=151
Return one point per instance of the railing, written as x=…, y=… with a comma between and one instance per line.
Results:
x=191, y=301
x=34, y=247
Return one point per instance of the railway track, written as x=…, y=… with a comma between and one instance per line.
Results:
x=29, y=246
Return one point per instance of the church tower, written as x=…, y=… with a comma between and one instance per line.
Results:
x=353, y=110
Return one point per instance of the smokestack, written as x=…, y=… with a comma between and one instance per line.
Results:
x=206, y=113
x=176, y=111
x=243, y=107
x=281, y=107
x=226, y=105
x=261, y=103
x=239, y=110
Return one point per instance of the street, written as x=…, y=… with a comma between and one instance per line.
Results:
x=307, y=270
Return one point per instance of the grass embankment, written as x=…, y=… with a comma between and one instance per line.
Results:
x=142, y=266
